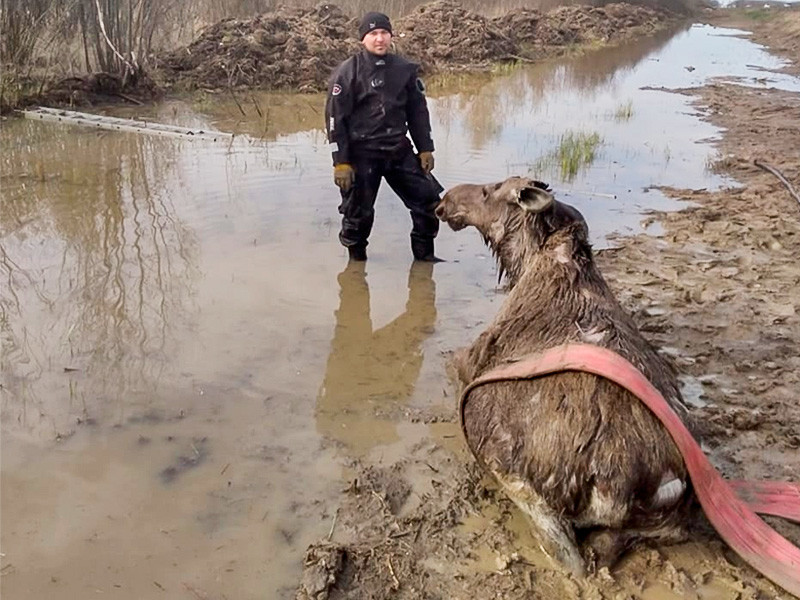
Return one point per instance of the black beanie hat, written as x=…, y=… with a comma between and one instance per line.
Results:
x=373, y=20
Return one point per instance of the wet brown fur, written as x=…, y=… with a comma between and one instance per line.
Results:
x=580, y=455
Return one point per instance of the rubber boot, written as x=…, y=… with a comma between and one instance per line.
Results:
x=357, y=253
x=423, y=250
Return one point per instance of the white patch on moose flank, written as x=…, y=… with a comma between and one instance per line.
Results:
x=670, y=490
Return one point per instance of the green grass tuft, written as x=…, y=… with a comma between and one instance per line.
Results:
x=575, y=151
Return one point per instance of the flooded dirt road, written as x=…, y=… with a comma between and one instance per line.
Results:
x=192, y=374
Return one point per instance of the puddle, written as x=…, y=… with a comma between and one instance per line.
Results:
x=187, y=364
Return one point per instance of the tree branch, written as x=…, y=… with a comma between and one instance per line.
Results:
x=130, y=67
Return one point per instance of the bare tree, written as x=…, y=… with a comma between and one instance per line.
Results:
x=120, y=32
x=21, y=23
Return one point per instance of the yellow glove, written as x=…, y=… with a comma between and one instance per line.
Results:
x=426, y=161
x=344, y=176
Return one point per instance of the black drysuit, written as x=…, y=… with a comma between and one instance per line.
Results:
x=373, y=102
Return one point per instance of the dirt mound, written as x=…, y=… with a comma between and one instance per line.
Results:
x=520, y=24
x=577, y=24
x=443, y=34
x=297, y=49
x=288, y=48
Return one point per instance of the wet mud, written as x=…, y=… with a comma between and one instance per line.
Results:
x=717, y=292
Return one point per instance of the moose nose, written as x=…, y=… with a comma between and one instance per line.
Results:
x=440, y=210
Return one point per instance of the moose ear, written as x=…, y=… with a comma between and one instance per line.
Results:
x=490, y=188
x=534, y=199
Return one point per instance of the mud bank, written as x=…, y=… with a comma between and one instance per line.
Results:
x=777, y=28
x=298, y=48
x=78, y=90
x=717, y=291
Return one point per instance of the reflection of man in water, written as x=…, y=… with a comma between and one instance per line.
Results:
x=371, y=372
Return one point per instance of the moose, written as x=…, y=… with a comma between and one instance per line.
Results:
x=590, y=466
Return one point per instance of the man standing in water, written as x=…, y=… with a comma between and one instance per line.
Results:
x=374, y=99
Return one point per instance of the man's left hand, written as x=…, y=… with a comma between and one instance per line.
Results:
x=426, y=161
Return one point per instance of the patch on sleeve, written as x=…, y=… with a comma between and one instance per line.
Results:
x=331, y=125
x=336, y=89
x=420, y=86
x=333, y=146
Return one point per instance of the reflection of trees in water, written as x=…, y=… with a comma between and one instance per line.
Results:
x=369, y=372
x=483, y=103
x=486, y=106
x=267, y=115
x=595, y=71
x=98, y=267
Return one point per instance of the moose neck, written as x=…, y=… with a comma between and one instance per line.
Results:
x=526, y=245
x=514, y=245
x=554, y=288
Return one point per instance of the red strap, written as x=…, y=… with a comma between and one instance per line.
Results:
x=776, y=498
x=744, y=531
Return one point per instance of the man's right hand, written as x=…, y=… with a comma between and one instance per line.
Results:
x=426, y=162
x=344, y=176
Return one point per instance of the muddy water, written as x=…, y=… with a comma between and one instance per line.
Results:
x=189, y=365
